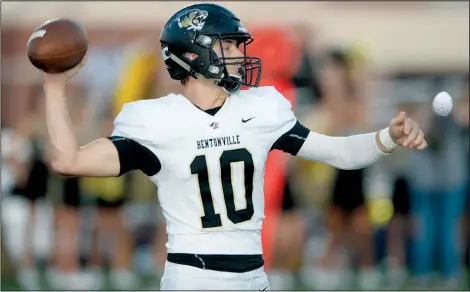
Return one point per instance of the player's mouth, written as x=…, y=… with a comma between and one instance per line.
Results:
x=240, y=72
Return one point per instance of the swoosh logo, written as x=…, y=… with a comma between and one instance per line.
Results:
x=247, y=120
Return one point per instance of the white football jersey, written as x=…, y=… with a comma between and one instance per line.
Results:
x=210, y=181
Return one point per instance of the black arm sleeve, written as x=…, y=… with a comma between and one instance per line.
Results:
x=133, y=156
x=292, y=140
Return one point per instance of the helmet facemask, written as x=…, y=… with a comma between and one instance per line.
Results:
x=249, y=68
x=211, y=66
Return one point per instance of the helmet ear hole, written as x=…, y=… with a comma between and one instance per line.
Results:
x=176, y=72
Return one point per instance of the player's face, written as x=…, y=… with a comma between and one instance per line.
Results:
x=230, y=50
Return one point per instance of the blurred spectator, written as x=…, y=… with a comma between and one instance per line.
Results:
x=17, y=196
x=282, y=233
x=28, y=216
x=16, y=153
x=64, y=271
x=461, y=116
x=134, y=68
x=398, y=233
x=399, y=229
x=304, y=79
x=344, y=89
x=438, y=183
x=289, y=242
x=111, y=238
x=274, y=74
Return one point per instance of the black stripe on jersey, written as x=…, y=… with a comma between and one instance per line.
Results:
x=217, y=262
x=292, y=140
x=133, y=156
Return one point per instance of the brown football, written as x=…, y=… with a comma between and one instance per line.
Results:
x=57, y=45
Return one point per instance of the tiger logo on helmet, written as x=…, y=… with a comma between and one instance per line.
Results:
x=193, y=20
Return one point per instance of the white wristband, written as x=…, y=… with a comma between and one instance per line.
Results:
x=386, y=140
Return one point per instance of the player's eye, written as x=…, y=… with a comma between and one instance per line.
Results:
x=228, y=44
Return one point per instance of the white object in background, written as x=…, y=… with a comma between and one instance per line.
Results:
x=442, y=104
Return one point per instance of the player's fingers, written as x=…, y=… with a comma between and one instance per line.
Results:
x=74, y=71
x=422, y=146
x=83, y=61
x=419, y=139
x=79, y=66
x=400, y=119
x=408, y=124
x=413, y=133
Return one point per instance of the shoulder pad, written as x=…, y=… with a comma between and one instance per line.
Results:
x=262, y=91
x=271, y=97
x=145, y=109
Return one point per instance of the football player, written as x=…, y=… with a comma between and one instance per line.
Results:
x=205, y=149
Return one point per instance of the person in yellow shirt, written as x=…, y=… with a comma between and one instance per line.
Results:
x=111, y=194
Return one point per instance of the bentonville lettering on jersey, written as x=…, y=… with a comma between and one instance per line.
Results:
x=217, y=142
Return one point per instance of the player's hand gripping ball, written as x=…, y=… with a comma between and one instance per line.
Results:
x=407, y=133
x=57, y=46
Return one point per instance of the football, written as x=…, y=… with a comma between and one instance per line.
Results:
x=57, y=45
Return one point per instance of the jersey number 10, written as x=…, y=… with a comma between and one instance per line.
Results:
x=199, y=167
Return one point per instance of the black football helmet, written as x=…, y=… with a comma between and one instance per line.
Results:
x=195, y=29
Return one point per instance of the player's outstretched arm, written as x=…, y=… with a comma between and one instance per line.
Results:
x=358, y=151
x=352, y=152
x=97, y=159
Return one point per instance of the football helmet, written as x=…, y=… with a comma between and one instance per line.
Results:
x=195, y=29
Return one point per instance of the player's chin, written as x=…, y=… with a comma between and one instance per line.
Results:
x=234, y=71
x=235, y=74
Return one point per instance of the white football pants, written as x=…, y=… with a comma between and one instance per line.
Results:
x=183, y=277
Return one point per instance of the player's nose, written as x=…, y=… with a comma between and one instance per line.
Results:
x=238, y=54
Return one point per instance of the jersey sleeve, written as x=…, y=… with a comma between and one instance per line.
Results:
x=133, y=141
x=288, y=133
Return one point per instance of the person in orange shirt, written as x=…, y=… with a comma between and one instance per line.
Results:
x=277, y=74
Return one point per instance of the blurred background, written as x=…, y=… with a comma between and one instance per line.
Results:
x=347, y=68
